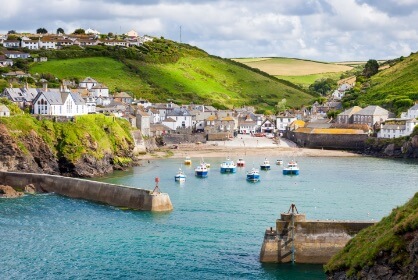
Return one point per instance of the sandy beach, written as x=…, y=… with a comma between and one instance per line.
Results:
x=241, y=146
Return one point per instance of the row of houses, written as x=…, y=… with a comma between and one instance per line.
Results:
x=59, y=41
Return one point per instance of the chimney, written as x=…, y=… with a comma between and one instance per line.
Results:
x=45, y=86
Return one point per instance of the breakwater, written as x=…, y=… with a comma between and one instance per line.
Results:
x=296, y=239
x=115, y=195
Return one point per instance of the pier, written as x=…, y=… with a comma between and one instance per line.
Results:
x=111, y=194
x=297, y=240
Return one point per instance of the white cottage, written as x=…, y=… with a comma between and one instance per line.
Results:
x=4, y=111
x=59, y=104
x=394, y=128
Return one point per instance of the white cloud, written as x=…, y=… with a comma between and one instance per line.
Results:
x=326, y=30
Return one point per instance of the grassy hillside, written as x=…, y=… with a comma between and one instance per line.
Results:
x=385, y=237
x=297, y=71
x=164, y=70
x=395, y=88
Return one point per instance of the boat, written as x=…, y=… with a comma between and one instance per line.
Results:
x=291, y=168
x=207, y=165
x=279, y=162
x=187, y=161
x=240, y=162
x=180, y=176
x=228, y=166
x=265, y=165
x=253, y=175
x=201, y=170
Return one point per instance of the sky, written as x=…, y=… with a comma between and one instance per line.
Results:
x=324, y=30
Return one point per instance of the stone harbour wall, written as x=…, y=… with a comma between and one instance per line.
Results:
x=115, y=195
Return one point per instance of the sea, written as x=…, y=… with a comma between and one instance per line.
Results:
x=215, y=230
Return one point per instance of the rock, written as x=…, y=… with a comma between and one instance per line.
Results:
x=9, y=192
x=30, y=189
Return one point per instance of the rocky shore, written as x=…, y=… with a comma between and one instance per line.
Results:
x=10, y=192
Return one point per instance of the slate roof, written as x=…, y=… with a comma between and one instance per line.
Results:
x=89, y=80
x=373, y=111
x=350, y=111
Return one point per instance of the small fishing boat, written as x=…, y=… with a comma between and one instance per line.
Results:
x=240, y=162
x=180, y=176
x=188, y=161
x=279, y=162
x=253, y=175
x=228, y=166
x=265, y=165
x=201, y=170
x=292, y=168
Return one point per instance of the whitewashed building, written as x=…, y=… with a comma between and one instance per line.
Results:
x=4, y=111
x=394, y=128
x=59, y=104
x=412, y=113
x=88, y=83
x=283, y=121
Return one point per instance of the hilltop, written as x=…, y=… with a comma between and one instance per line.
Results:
x=162, y=70
x=394, y=88
x=298, y=71
x=386, y=250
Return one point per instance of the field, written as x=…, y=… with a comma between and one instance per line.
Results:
x=306, y=80
x=293, y=67
x=110, y=72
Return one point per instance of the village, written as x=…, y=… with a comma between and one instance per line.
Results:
x=190, y=123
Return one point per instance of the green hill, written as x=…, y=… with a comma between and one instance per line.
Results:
x=386, y=244
x=164, y=70
x=394, y=88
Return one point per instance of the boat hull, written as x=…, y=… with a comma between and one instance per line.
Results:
x=228, y=169
x=290, y=172
x=202, y=174
x=179, y=178
x=253, y=178
x=265, y=167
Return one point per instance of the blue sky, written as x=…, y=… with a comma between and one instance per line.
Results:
x=324, y=30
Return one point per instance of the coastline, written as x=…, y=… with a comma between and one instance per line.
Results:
x=243, y=146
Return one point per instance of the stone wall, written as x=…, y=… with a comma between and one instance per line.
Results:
x=328, y=141
x=174, y=138
x=313, y=241
x=115, y=195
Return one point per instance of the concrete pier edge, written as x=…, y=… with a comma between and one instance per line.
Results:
x=110, y=194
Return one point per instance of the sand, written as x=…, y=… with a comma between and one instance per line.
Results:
x=243, y=145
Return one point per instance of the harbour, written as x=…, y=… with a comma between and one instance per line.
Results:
x=215, y=230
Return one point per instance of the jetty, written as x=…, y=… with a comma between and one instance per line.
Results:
x=111, y=194
x=297, y=240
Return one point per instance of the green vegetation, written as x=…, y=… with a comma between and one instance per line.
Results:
x=385, y=237
x=394, y=88
x=95, y=135
x=305, y=81
x=163, y=70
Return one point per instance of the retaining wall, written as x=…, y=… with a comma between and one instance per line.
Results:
x=328, y=141
x=115, y=195
x=313, y=241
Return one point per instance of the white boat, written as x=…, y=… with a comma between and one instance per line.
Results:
x=228, y=166
x=201, y=170
x=253, y=175
x=279, y=162
x=240, y=162
x=180, y=176
x=292, y=168
x=265, y=165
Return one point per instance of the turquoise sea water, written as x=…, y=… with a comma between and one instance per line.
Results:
x=214, y=232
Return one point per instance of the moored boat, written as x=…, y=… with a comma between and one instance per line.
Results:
x=279, y=162
x=187, y=161
x=228, y=166
x=180, y=176
x=253, y=175
x=240, y=162
x=265, y=165
x=292, y=168
x=201, y=170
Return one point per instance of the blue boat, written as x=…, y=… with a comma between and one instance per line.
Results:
x=265, y=165
x=291, y=168
x=228, y=166
x=253, y=175
x=180, y=176
x=201, y=170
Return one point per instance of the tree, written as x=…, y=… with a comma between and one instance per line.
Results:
x=371, y=68
x=79, y=31
x=11, y=32
x=281, y=106
x=322, y=86
x=41, y=31
x=60, y=31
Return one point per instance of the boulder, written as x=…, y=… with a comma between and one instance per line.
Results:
x=9, y=192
